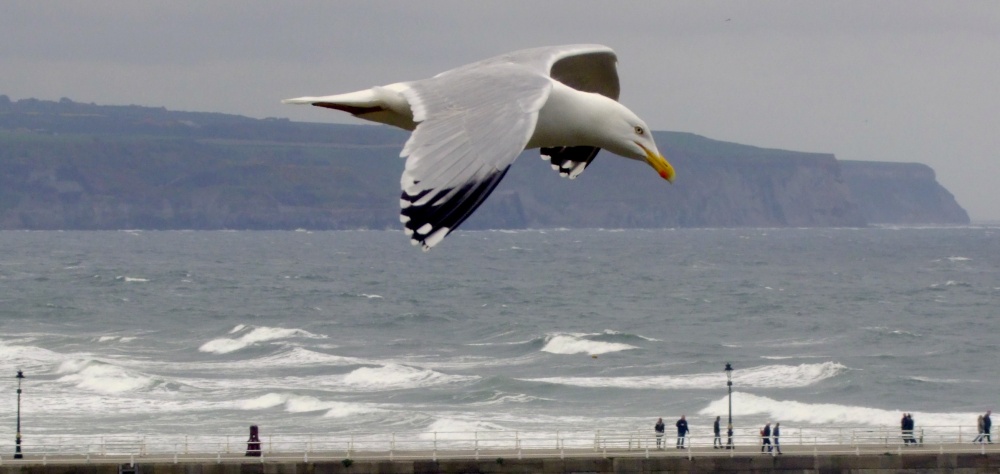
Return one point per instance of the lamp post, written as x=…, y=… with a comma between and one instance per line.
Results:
x=17, y=450
x=729, y=382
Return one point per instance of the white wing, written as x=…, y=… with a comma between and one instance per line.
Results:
x=471, y=127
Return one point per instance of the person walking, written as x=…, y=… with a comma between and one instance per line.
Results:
x=682, y=431
x=765, y=437
x=659, y=427
x=717, y=443
x=987, y=423
x=775, y=434
x=979, y=430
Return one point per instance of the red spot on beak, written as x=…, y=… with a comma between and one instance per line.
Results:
x=663, y=174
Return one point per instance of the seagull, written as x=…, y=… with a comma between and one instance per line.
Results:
x=470, y=123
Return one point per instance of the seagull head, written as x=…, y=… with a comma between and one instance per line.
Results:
x=631, y=137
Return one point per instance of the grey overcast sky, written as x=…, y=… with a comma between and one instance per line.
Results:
x=906, y=81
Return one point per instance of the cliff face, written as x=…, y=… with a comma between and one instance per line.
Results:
x=76, y=166
x=901, y=193
x=718, y=185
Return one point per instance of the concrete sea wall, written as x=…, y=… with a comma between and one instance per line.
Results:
x=866, y=463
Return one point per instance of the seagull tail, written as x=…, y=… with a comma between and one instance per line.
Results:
x=378, y=104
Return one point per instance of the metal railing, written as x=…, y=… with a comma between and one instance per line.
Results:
x=476, y=444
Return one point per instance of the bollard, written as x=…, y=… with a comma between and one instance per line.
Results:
x=305, y=457
x=131, y=460
x=218, y=457
x=175, y=457
x=647, y=452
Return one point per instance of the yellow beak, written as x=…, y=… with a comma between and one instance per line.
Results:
x=660, y=164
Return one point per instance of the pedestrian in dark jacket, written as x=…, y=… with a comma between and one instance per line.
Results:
x=659, y=428
x=717, y=444
x=775, y=434
x=987, y=423
x=682, y=431
x=765, y=437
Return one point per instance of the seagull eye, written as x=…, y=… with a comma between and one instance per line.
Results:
x=639, y=130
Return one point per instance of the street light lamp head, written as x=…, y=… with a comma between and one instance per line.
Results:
x=20, y=374
x=729, y=372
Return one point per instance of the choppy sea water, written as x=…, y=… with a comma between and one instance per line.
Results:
x=204, y=333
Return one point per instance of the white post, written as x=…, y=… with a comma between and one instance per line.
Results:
x=435, y=452
x=185, y=444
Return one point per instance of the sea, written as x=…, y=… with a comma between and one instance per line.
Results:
x=147, y=333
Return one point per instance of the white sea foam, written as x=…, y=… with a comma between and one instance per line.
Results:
x=768, y=376
x=104, y=339
x=128, y=279
x=395, y=376
x=612, y=332
x=746, y=404
x=25, y=357
x=452, y=428
x=579, y=344
x=301, y=357
x=305, y=404
x=102, y=377
x=371, y=297
x=252, y=336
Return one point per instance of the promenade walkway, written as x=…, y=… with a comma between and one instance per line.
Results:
x=492, y=454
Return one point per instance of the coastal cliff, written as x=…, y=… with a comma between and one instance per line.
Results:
x=901, y=193
x=67, y=165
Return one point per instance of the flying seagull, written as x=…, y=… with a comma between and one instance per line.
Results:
x=470, y=123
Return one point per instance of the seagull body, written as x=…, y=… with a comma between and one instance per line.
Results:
x=469, y=124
